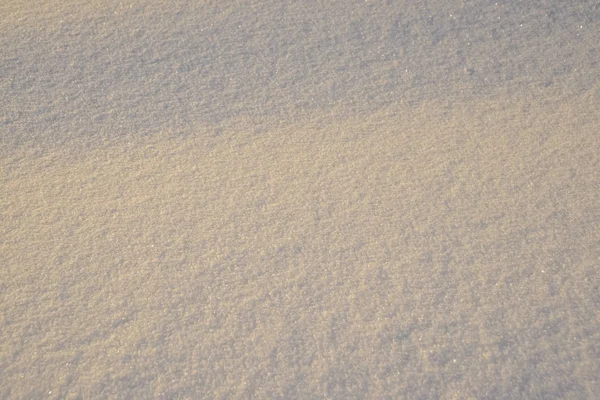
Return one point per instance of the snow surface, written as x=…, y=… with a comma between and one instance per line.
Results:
x=273, y=199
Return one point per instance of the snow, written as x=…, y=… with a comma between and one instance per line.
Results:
x=279, y=199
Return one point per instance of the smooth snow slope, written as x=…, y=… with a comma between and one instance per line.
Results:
x=272, y=199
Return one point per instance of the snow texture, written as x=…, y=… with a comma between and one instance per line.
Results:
x=276, y=199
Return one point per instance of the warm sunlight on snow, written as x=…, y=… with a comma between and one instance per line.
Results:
x=273, y=199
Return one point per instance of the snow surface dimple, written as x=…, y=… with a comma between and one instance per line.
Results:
x=285, y=200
